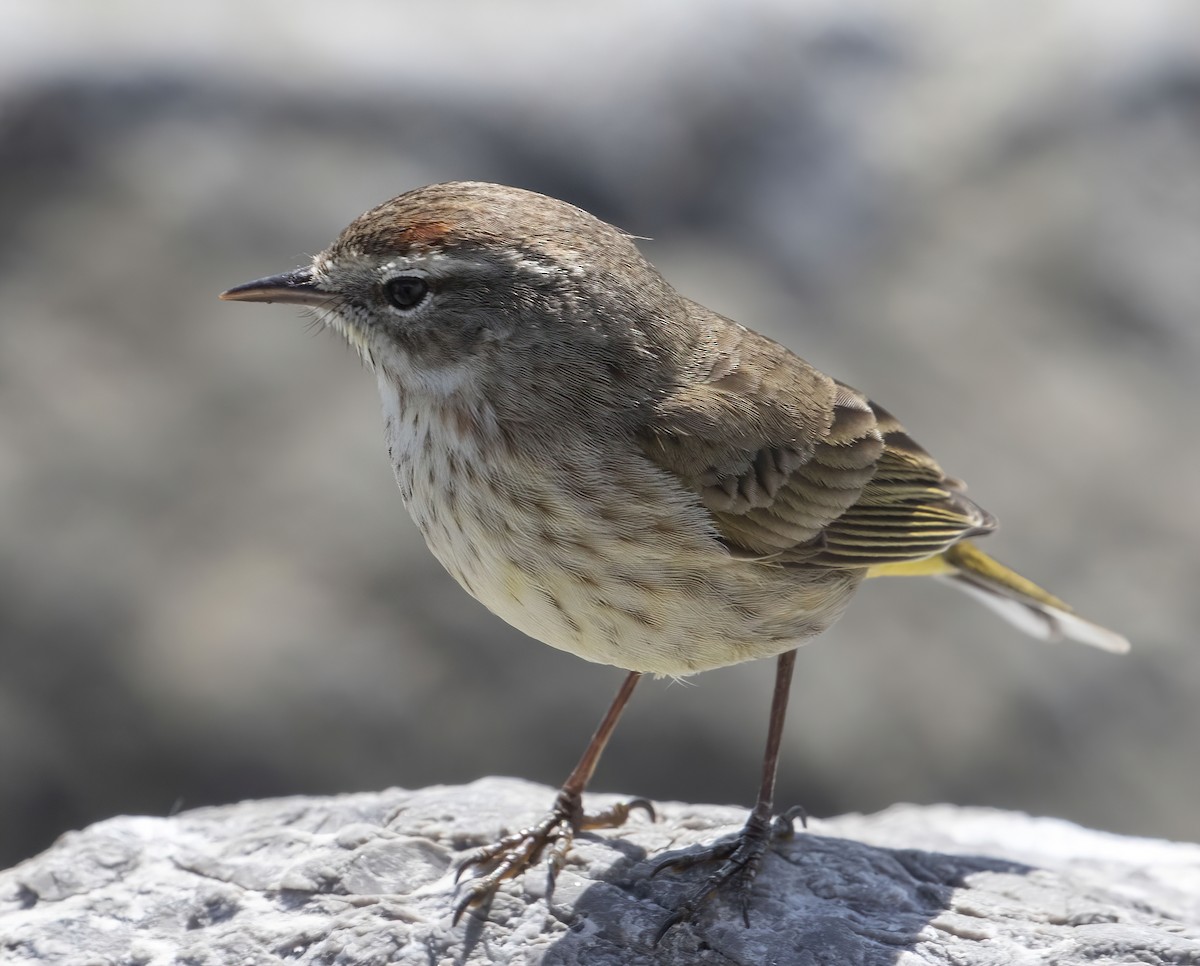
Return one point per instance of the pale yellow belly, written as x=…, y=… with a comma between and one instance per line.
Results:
x=598, y=582
x=630, y=575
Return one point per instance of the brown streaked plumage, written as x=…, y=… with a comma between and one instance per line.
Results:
x=624, y=474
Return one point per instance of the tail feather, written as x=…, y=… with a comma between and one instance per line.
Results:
x=1042, y=621
x=1016, y=599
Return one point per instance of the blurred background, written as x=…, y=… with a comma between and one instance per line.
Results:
x=986, y=215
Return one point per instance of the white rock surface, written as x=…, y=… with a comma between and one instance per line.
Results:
x=366, y=879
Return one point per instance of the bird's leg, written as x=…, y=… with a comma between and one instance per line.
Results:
x=513, y=854
x=742, y=855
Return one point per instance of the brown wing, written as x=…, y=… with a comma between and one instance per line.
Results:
x=792, y=463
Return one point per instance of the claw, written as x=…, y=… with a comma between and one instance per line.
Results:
x=685, y=860
x=740, y=857
x=673, y=920
x=617, y=815
x=511, y=855
x=484, y=854
x=784, y=826
x=472, y=897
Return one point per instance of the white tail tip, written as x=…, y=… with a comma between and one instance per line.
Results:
x=1041, y=620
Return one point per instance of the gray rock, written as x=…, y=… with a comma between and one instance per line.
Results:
x=367, y=879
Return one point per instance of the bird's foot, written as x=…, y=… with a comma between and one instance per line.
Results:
x=740, y=856
x=513, y=854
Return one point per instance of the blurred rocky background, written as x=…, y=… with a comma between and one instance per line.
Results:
x=985, y=214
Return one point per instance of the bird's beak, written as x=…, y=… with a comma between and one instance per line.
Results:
x=295, y=288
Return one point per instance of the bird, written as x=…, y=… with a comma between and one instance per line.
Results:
x=624, y=474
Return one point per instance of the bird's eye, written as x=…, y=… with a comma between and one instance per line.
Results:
x=406, y=291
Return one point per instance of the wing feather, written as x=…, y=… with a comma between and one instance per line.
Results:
x=794, y=464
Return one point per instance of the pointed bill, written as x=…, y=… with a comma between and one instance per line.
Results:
x=295, y=288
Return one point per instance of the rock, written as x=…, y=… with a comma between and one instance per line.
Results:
x=367, y=879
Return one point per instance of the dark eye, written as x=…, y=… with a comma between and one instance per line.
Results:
x=406, y=291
